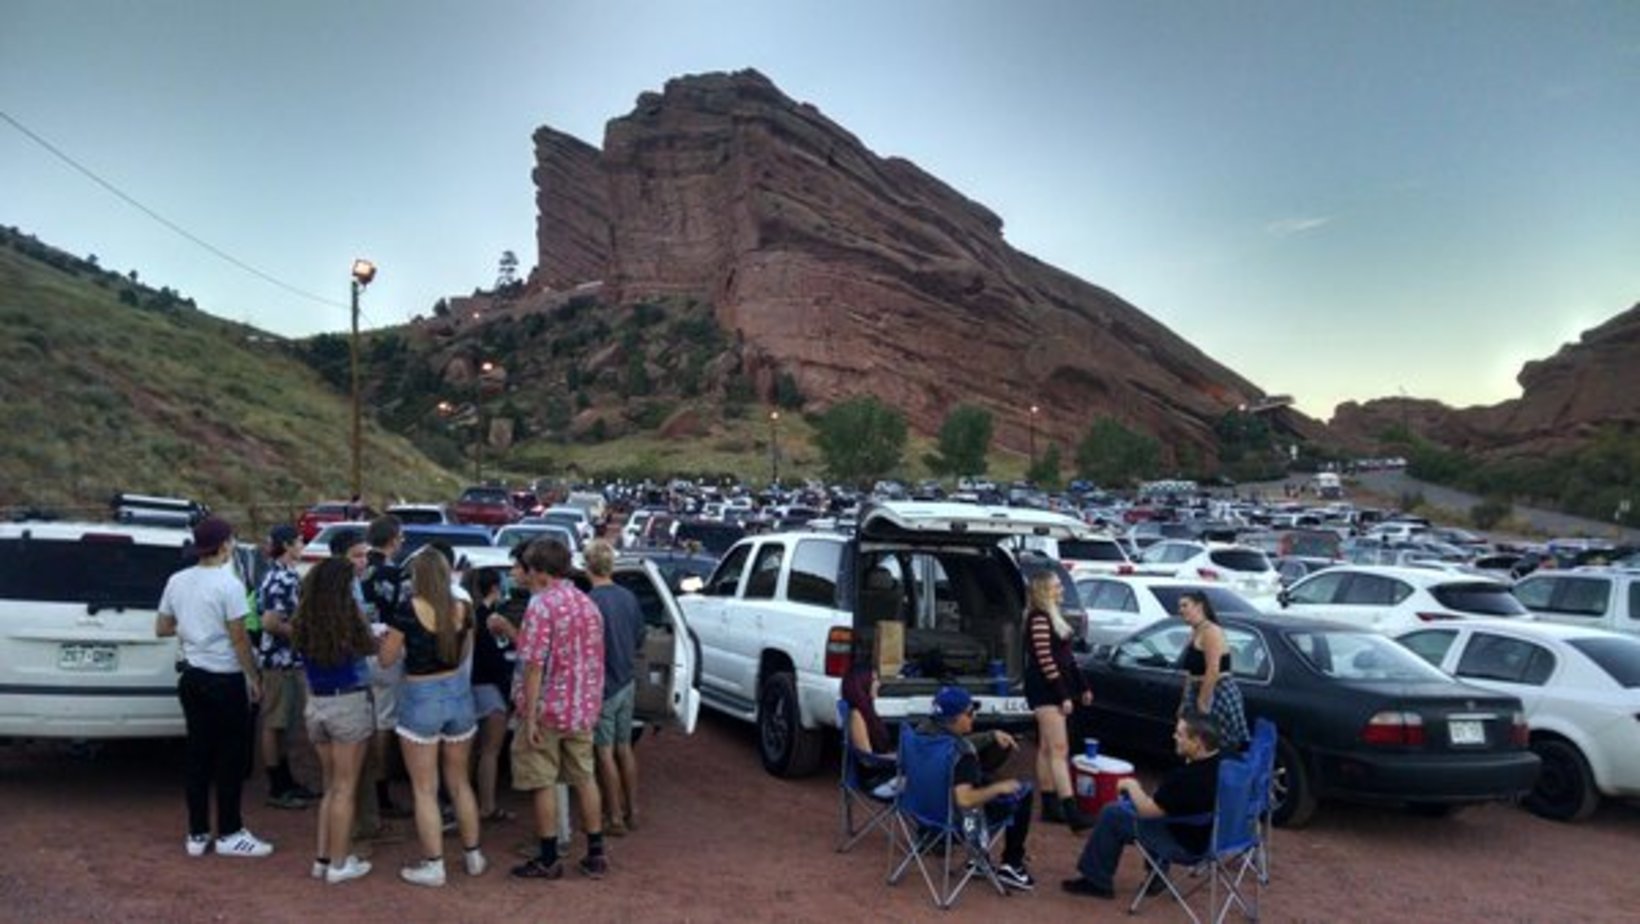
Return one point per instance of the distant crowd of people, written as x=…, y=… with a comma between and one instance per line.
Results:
x=365, y=650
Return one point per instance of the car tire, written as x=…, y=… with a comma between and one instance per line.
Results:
x=1565, y=789
x=787, y=748
x=1293, y=802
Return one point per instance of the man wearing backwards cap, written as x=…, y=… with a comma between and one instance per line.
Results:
x=976, y=753
x=204, y=607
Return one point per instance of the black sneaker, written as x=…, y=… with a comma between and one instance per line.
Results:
x=1015, y=877
x=593, y=867
x=1080, y=886
x=536, y=869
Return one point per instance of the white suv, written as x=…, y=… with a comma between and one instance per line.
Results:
x=78, y=653
x=1594, y=597
x=1392, y=600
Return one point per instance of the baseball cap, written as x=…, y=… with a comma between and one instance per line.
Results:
x=209, y=534
x=951, y=702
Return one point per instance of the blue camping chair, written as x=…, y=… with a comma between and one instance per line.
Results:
x=1231, y=858
x=876, y=804
x=930, y=825
x=1261, y=753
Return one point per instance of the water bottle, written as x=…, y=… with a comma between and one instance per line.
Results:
x=999, y=677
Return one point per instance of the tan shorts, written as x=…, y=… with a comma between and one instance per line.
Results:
x=282, y=696
x=346, y=718
x=563, y=757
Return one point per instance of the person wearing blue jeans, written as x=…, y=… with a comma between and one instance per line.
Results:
x=1188, y=790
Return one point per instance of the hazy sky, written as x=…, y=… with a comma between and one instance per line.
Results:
x=1337, y=200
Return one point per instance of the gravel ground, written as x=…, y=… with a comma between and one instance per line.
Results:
x=99, y=838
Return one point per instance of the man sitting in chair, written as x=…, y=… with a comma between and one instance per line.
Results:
x=1188, y=790
x=979, y=754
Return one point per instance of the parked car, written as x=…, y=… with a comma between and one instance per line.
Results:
x=458, y=536
x=318, y=548
x=1580, y=687
x=684, y=572
x=1390, y=600
x=1593, y=596
x=575, y=518
x=422, y=514
x=1293, y=567
x=1359, y=717
x=1119, y=605
x=78, y=655
x=485, y=505
x=1242, y=568
x=715, y=538
x=314, y=518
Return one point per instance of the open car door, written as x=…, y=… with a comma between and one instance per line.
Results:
x=666, y=692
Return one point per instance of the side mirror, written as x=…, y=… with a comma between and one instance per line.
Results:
x=1284, y=597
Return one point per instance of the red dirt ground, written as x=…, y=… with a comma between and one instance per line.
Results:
x=99, y=838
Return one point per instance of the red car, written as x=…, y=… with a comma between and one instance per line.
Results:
x=314, y=518
x=486, y=506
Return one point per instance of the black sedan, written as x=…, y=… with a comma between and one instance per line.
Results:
x=1360, y=718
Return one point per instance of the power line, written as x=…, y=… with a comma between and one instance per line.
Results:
x=217, y=251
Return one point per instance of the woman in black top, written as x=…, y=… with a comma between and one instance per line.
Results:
x=1054, y=686
x=1209, y=688
x=492, y=683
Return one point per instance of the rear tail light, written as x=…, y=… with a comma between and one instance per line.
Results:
x=1435, y=617
x=1124, y=569
x=839, y=651
x=1207, y=574
x=1519, y=734
x=1394, y=729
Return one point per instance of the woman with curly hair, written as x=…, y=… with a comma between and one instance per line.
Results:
x=330, y=634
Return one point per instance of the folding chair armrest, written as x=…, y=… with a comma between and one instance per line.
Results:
x=869, y=761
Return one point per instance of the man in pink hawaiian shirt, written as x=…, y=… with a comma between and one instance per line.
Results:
x=559, y=695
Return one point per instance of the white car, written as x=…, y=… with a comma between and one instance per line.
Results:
x=1242, y=568
x=511, y=536
x=1391, y=600
x=575, y=517
x=318, y=549
x=1581, y=691
x=1119, y=605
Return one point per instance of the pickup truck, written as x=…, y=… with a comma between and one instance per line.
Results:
x=784, y=616
x=1596, y=596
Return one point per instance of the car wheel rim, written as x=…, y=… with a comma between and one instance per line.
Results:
x=776, y=728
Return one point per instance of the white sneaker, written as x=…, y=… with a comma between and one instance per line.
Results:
x=197, y=845
x=475, y=862
x=351, y=868
x=425, y=873
x=243, y=843
x=319, y=869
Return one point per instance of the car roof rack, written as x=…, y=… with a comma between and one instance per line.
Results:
x=155, y=510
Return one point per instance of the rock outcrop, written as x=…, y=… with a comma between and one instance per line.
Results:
x=855, y=273
x=1564, y=400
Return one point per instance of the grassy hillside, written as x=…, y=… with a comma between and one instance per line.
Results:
x=108, y=385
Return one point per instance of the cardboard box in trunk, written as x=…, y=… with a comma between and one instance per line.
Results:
x=889, y=653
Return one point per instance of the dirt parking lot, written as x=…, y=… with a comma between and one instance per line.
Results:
x=99, y=838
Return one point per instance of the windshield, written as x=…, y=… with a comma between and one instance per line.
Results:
x=1348, y=655
x=1618, y=656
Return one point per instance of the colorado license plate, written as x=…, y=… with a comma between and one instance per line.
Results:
x=1466, y=732
x=88, y=658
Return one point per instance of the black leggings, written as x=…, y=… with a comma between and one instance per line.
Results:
x=218, y=712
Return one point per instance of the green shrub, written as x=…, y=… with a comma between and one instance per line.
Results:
x=1490, y=512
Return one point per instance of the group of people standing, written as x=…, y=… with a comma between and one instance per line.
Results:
x=365, y=650
x=1211, y=718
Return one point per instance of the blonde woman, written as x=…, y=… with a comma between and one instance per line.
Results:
x=1053, y=687
x=433, y=631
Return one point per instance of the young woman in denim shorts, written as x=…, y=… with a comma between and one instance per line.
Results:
x=329, y=633
x=433, y=632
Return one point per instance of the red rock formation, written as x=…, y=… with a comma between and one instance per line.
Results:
x=856, y=273
x=1565, y=399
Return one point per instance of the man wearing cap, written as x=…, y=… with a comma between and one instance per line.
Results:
x=204, y=607
x=979, y=754
x=282, y=697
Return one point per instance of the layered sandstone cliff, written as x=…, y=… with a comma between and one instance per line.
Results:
x=855, y=273
x=1565, y=399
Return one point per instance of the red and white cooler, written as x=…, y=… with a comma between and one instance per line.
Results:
x=1095, y=780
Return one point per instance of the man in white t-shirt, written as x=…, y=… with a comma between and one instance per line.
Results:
x=204, y=607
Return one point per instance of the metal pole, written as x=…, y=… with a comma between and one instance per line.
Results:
x=774, y=448
x=353, y=362
x=478, y=449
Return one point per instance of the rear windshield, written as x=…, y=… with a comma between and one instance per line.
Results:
x=1083, y=550
x=1240, y=560
x=1480, y=598
x=1617, y=656
x=107, y=573
x=1222, y=601
x=478, y=496
x=716, y=538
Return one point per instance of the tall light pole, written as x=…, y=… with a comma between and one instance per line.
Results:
x=363, y=272
x=774, y=448
x=1034, y=410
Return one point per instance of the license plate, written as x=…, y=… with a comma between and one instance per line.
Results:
x=1466, y=732
x=88, y=658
